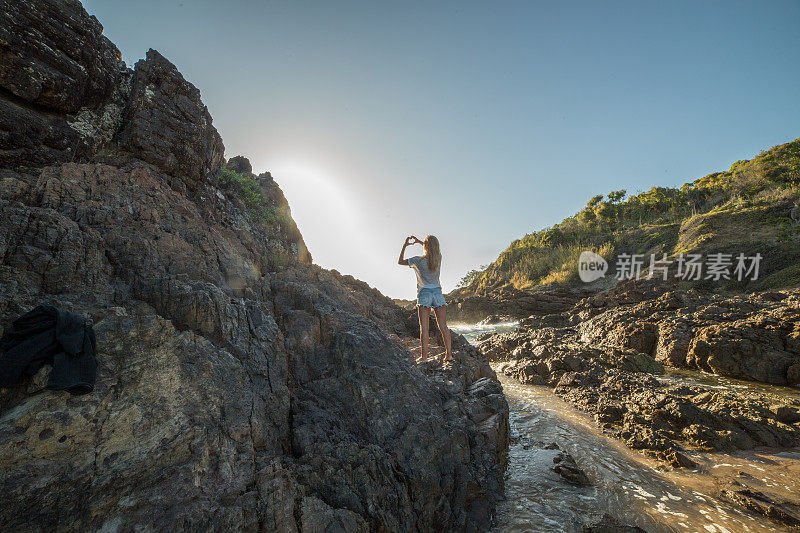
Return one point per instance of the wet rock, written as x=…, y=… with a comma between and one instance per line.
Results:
x=619, y=385
x=489, y=320
x=609, y=524
x=751, y=337
x=679, y=460
x=786, y=414
x=566, y=467
x=759, y=503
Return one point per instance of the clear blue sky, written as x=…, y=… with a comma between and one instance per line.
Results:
x=478, y=122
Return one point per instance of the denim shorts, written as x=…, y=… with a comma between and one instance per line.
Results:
x=430, y=297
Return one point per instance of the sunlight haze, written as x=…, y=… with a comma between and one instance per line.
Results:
x=477, y=122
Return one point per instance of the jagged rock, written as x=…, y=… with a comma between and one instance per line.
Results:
x=54, y=55
x=316, y=515
x=69, y=96
x=239, y=386
x=566, y=467
x=674, y=340
x=679, y=460
x=300, y=353
x=511, y=303
x=759, y=503
x=167, y=124
x=750, y=337
x=489, y=320
x=240, y=164
x=64, y=83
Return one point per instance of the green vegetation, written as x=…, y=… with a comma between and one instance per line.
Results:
x=471, y=276
x=746, y=208
x=246, y=187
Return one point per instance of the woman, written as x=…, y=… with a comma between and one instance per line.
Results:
x=429, y=291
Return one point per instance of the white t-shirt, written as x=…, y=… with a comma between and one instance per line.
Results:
x=425, y=278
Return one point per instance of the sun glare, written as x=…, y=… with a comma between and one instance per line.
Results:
x=322, y=208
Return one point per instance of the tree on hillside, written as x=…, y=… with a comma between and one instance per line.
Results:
x=594, y=201
x=471, y=276
x=588, y=215
x=616, y=197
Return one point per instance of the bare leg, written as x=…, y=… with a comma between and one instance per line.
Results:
x=441, y=321
x=424, y=316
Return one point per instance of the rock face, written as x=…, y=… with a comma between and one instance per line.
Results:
x=56, y=68
x=166, y=123
x=240, y=386
x=752, y=337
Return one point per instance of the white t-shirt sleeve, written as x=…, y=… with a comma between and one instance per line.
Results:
x=414, y=261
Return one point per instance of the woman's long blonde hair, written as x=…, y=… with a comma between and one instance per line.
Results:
x=433, y=253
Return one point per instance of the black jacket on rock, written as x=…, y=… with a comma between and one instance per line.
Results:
x=47, y=335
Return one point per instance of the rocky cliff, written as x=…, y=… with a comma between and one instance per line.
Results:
x=240, y=386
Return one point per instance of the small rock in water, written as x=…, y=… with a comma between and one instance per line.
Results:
x=568, y=469
x=679, y=460
x=786, y=413
x=759, y=503
x=609, y=524
x=489, y=320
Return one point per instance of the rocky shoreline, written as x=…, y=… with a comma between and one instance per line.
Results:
x=511, y=304
x=242, y=387
x=611, y=355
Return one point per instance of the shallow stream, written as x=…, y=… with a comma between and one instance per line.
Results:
x=625, y=483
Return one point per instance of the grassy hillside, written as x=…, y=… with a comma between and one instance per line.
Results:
x=745, y=209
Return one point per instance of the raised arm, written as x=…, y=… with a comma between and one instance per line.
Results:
x=409, y=241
